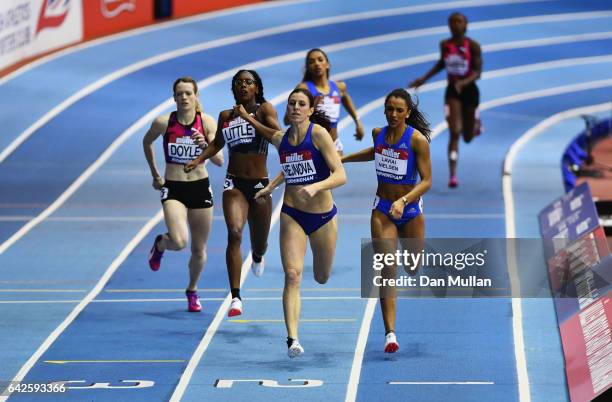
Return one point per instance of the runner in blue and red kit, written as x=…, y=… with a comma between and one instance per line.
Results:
x=186, y=197
x=311, y=167
x=401, y=153
x=329, y=95
x=462, y=58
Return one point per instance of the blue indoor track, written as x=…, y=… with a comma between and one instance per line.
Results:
x=78, y=214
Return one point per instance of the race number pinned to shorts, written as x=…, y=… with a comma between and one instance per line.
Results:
x=164, y=193
x=376, y=201
x=228, y=184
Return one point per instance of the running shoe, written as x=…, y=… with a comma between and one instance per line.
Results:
x=295, y=349
x=193, y=302
x=155, y=255
x=235, y=308
x=391, y=345
x=452, y=182
x=257, y=268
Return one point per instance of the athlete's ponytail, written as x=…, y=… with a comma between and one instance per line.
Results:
x=318, y=116
x=416, y=118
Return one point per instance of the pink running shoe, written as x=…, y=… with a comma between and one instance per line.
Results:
x=193, y=302
x=452, y=182
x=155, y=255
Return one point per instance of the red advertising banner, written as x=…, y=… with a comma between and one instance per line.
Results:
x=587, y=344
x=105, y=17
x=182, y=8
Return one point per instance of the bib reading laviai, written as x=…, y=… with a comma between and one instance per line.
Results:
x=298, y=167
x=238, y=131
x=391, y=163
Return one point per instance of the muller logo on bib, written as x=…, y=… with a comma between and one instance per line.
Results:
x=391, y=162
x=297, y=165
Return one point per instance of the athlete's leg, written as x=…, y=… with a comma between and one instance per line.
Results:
x=412, y=236
x=293, y=250
x=235, y=211
x=323, y=245
x=200, y=222
x=175, y=216
x=455, y=128
x=468, y=113
x=384, y=236
x=260, y=214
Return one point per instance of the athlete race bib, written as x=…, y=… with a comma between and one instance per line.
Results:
x=390, y=162
x=183, y=150
x=238, y=131
x=298, y=167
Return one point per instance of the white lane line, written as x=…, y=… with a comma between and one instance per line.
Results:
x=148, y=29
x=42, y=291
x=87, y=299
x=216, y=322
x=26, y=218
x=117, y=74
x=517, y=315
x=440, y=382
x=177, y=300
x=362, y=339
x=432, y=216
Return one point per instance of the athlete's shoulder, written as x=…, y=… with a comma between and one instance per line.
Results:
x=418, y=139
x=474, y=45
x=161, y=120
x=225, y=114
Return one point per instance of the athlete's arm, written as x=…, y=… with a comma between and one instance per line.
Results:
x=269, y=117
x=347, y=102
x=420, y=145
x=365, y=155
x=275, y=136
x=267, y=190
x=213, y=147
x=439, y=66
x=337, y=177
x=210, y=128
x=158, y=127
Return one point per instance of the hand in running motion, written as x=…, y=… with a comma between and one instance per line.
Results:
x=261, y=195
x=397, y=209
x=359, y=131
x=239, y=110
x=191, y=165
x=158, y=182
x=307, y=192
x=417, y=83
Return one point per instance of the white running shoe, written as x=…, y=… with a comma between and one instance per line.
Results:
x=391, y=345
x=235, y=308
x=257, y=268
x=295, y=349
